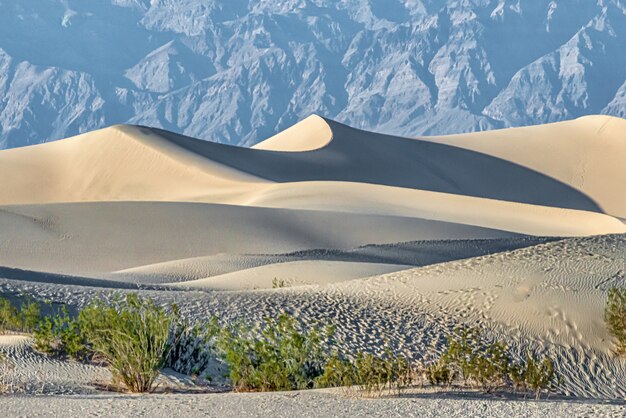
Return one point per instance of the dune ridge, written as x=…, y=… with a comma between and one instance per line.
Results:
x=129, y=196
x=481, y=180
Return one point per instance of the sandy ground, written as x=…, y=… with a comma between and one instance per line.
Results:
x=548, y=297
x=299, y=404
x=394, y=240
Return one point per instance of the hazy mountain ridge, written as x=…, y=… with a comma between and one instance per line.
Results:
x=238, y=71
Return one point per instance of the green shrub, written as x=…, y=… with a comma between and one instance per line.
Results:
x=278, y=357
x=60, y=335
x=374, y=374
x=132, y=335
x=371, y=374
x=193, y=348
x=472, y=359
x=23, y=320
x=439, y=373
x=278, y=283
x=338, y=372
x=490, y=366
x=30, y=314
x=615, y=317
x=535, y=375
x=9, y=318
x=46, y=340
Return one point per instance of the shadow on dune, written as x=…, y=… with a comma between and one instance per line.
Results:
x=61, y=279
x=366, y=157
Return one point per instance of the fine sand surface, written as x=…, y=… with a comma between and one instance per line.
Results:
x=300, y=404
x=294, y=273
x=587, y=154
x=393, y=240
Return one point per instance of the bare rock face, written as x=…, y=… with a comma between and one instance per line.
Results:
x=237, y=71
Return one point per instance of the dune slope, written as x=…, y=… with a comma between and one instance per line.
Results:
x=322, y=165
x=394, y=240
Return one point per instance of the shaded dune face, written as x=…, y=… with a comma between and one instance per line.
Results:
x=131, y=197
x=83, y=238
x=365, y=157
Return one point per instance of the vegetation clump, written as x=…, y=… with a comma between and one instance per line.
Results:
x=371, y=374
x=277, y=357
x=615, y=317
x=24, y=319
x=278, y=283
x=132, y=336
x=136, y=338
x=534, y=375
x=476, y=362
x=59, y=335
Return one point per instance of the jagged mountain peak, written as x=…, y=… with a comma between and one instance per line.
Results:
x=238, y=71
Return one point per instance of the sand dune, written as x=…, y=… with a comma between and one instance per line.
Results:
x=89, y=238
x=290, y=274
x=586, y=154
x=323, y=165
x=412, y=253
x=310, y=134
x=343, y=217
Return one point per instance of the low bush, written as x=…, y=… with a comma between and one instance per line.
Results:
x=30, y=314
x=193, y=348
x=534, y=375
x=439, y=374
x=132, y=335
x=277, y=357
x=371, y=374
x=8, y=315
x=136, y=339
x=474, y=360
x=59, y=335
x=338, y=372
x=374, y=374
x=615, y=317
x=278, y=283
x=478, y=362
x=23, y=319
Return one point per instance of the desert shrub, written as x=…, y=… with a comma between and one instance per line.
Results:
x=472, y=359
x=615, y=317
x=193, y=348
x=278, y=283
x=132, y=335
x=46, y=340
x=23, y=319
x=60, y=335
x=439, y=373
x=476, y=361
x=30, y=314
x=371, y=374
x=338, y=372
x=534, y=374
x=9, y=317
x=277, y=357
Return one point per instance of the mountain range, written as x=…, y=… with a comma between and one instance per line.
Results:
x=237, y=71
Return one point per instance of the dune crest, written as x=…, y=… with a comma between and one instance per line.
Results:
x=586, y=153
x=562, y=179
x=310, y=134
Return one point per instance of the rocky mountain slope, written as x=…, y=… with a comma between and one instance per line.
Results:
x=237, y=71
